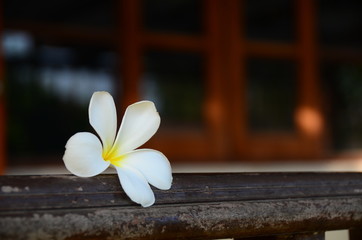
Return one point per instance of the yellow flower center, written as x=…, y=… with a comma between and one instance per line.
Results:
x=110, y=156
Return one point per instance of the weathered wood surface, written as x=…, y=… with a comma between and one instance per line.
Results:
x=198, y=206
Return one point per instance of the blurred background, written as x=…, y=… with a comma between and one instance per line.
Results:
x=235, y=81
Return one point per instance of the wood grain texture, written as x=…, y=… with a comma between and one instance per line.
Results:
x=198, y=206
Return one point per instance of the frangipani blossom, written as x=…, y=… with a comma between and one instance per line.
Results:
x=86, y=155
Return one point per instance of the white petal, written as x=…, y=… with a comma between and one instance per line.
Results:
x=140, y=122
x=103, y=117
x=135, y=186
x=83, y=155
x=153, y=165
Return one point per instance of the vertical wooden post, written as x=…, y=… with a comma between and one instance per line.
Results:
x=214, y=102
x=235, y=74
x=2, y=101
x=130, y=50
x=309, y=117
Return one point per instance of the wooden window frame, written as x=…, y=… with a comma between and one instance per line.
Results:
x=307, y=140
x=224, y=47
x=225, y=50
x=206, y=144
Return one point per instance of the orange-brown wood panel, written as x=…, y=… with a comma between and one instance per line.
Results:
x=214, y=107
x=2, y=103
x=309, y=115
x=234, y=48
x=130, y=50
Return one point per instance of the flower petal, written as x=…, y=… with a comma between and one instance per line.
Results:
x=140, y=122
x=83, y=155
x=135, y=186
x=153, y=165
x=103, y=117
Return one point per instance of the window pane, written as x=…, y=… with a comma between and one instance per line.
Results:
x=48, y=92
x=269, y=20
x=271, y=95
x=340, y=23
x=174, y=82
x=91, y=13
x=343, y=91
x=177, y=16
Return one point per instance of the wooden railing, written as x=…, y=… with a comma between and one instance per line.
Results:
x=198, y=206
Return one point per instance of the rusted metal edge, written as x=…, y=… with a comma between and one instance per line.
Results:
x=186, y=221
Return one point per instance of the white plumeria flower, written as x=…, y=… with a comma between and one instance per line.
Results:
x=87, y=156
